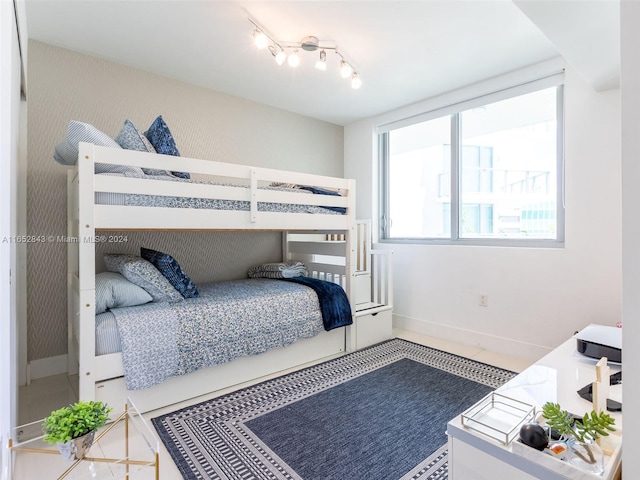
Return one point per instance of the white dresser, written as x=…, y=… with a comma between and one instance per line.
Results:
x=556, y=378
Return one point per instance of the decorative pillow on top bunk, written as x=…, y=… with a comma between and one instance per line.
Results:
x=169, y=267
x=130, y=138
x=113, y=291
x=66, y=152
x=141, y=272
x=162, y=140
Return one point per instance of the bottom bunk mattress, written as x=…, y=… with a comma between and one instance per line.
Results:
x=229, y=319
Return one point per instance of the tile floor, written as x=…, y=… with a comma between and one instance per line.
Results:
x=43, y=395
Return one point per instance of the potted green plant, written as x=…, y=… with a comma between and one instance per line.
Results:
x=72, y=428
x=581, y=434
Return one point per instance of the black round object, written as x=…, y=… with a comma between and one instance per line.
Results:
x=534, y=435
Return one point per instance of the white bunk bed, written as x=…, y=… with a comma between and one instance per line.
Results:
x=101, y=377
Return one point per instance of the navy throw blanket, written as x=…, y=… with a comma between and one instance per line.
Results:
x=334, y=304
x=321, y=191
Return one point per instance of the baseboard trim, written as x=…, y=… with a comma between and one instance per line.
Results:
x=492, y=343
x=45, y=367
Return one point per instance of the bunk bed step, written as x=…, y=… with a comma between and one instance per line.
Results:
x=373, y=326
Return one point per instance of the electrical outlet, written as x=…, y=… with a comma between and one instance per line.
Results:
x=483, y=300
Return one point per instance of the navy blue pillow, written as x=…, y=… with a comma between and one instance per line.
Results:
x=169, y=267
x=160, y=137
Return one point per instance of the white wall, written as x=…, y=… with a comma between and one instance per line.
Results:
x=10, y=108
x=537, y=298
x=630, y=100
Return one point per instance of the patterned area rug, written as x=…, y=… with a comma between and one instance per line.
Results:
x=379, y=413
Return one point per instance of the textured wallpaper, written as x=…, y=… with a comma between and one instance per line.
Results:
x=65, y=86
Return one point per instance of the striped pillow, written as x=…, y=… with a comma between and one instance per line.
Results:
x=113, y=291
x=66, y=152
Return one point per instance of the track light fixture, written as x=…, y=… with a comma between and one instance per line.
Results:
x=289, y=52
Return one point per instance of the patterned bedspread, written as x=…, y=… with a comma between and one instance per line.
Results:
x=140, y=200
x=228, y=320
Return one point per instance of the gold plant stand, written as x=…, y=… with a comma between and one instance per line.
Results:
x=29, y=441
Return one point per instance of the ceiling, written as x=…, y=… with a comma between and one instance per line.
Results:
x=404, y=51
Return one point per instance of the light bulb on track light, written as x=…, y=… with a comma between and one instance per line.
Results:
x=321, y=64
x=281, y=57
x=294, y=59
x=356, y=83
x=260, y=39
x=345, y=69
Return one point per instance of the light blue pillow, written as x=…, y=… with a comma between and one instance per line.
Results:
x=130, y=138
x=66, y=152
x=162, y=140
x=113, y=291
x=141, y=272
x=170, y=268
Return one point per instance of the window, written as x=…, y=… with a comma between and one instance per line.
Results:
x=488, y=173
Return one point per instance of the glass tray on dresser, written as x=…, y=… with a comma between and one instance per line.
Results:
x=498, y=416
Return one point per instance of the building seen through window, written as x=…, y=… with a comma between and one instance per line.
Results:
x=488, y=172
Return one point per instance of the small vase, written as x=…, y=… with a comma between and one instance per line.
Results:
x=76, y=448
x=587, y=456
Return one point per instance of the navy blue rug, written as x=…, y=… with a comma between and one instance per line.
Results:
x=379, y=413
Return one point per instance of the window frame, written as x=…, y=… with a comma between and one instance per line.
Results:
x=454, y=111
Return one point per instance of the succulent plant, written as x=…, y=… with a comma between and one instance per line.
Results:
x=590, y=427
x=585, y=430
x=74, y=421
